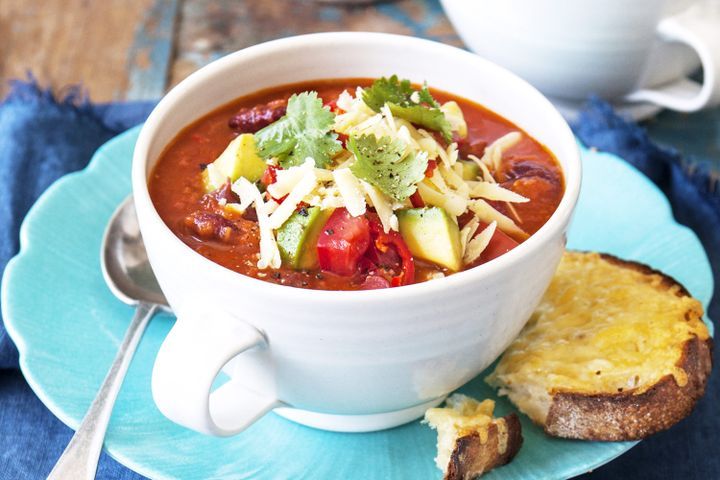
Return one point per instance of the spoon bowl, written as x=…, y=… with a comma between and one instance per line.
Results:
x=124, y=261
x=128, y=275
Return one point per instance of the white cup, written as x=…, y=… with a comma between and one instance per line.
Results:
x=623, y=50
x=349, y=361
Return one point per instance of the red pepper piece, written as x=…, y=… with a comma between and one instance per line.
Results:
x=432, y=165
x=416, y=200
x=269, y=176
x=382, y=242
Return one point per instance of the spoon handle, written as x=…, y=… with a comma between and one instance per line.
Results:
x=80, y=458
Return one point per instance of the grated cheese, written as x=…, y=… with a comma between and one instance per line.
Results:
x=246, y=191
x=249, y=194
x=454, y=204
x=288, y=179
x=337, y=187
x=358, y=119
x=492, y=157
x=467, y=232
x=351, y=191
x=477, y=245
x=383, y=207
x=487, y=176
x=455, y=117
x=488, y=214
x=493, y=191
x=215, y=177
x=306, y=185
x=456, y=181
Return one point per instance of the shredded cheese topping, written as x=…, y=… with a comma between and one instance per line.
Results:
x=336, y=186
x=250, y=195
x=352, y=193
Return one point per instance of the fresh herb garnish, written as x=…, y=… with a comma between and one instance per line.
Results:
x=304, y=131
x=385, y=164
x=415, y=106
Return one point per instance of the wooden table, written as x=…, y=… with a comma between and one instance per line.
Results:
x=137, y=49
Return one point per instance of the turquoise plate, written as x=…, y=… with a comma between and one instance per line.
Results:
x=68, y=326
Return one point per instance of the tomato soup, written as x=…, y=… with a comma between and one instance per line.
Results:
x=350, y=184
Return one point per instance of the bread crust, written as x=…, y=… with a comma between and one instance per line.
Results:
x=471, y=458
x=626, y=415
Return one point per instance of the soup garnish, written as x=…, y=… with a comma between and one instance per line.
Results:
x=354, y=184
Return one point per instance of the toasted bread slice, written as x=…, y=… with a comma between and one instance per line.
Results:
x=615, y=351
x=470, y=441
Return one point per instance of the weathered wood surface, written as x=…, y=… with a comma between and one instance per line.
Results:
x=209, y=29
x=66, y=42
x=136, y=49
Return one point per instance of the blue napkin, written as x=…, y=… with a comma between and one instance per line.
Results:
x=42, y=138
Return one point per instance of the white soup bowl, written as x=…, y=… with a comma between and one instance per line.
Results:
x=347, y=361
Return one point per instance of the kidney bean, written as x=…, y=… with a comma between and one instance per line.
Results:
x=211, y=226
x=250, y=120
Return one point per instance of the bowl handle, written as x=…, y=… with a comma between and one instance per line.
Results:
x=186, y=366
x=698, y=28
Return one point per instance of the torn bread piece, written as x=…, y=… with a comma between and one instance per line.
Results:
x=615, y=351
x=470, y=441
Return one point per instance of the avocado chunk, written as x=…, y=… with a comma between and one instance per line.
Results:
x=470, y=170
x=240, y=159
x=298, y=237
x=454, y=115
x=432, y=235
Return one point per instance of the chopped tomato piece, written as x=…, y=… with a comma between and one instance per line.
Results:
x=499, y=243
x=343, y=242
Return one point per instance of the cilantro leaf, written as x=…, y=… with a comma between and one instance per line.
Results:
x=432, y=118
x=398, y=95
x=321, y=149
x=303, y=132
x=388, y=90
x=383, y=163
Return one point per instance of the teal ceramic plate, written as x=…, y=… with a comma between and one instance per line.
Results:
x=68, y=326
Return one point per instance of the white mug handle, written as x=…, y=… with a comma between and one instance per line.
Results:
x=186, y=366
x=699, y=28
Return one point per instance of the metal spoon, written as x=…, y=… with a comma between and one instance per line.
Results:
x=127, y=272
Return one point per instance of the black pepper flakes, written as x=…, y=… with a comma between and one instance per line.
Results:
x=303, y=211
x=319, y=276
x=329, y=231
x=202, y=166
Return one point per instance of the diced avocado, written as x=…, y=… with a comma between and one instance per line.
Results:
x=432, y=235
x=298, y=237
x=470, y=170
x=240, y=159
x=454, y=115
